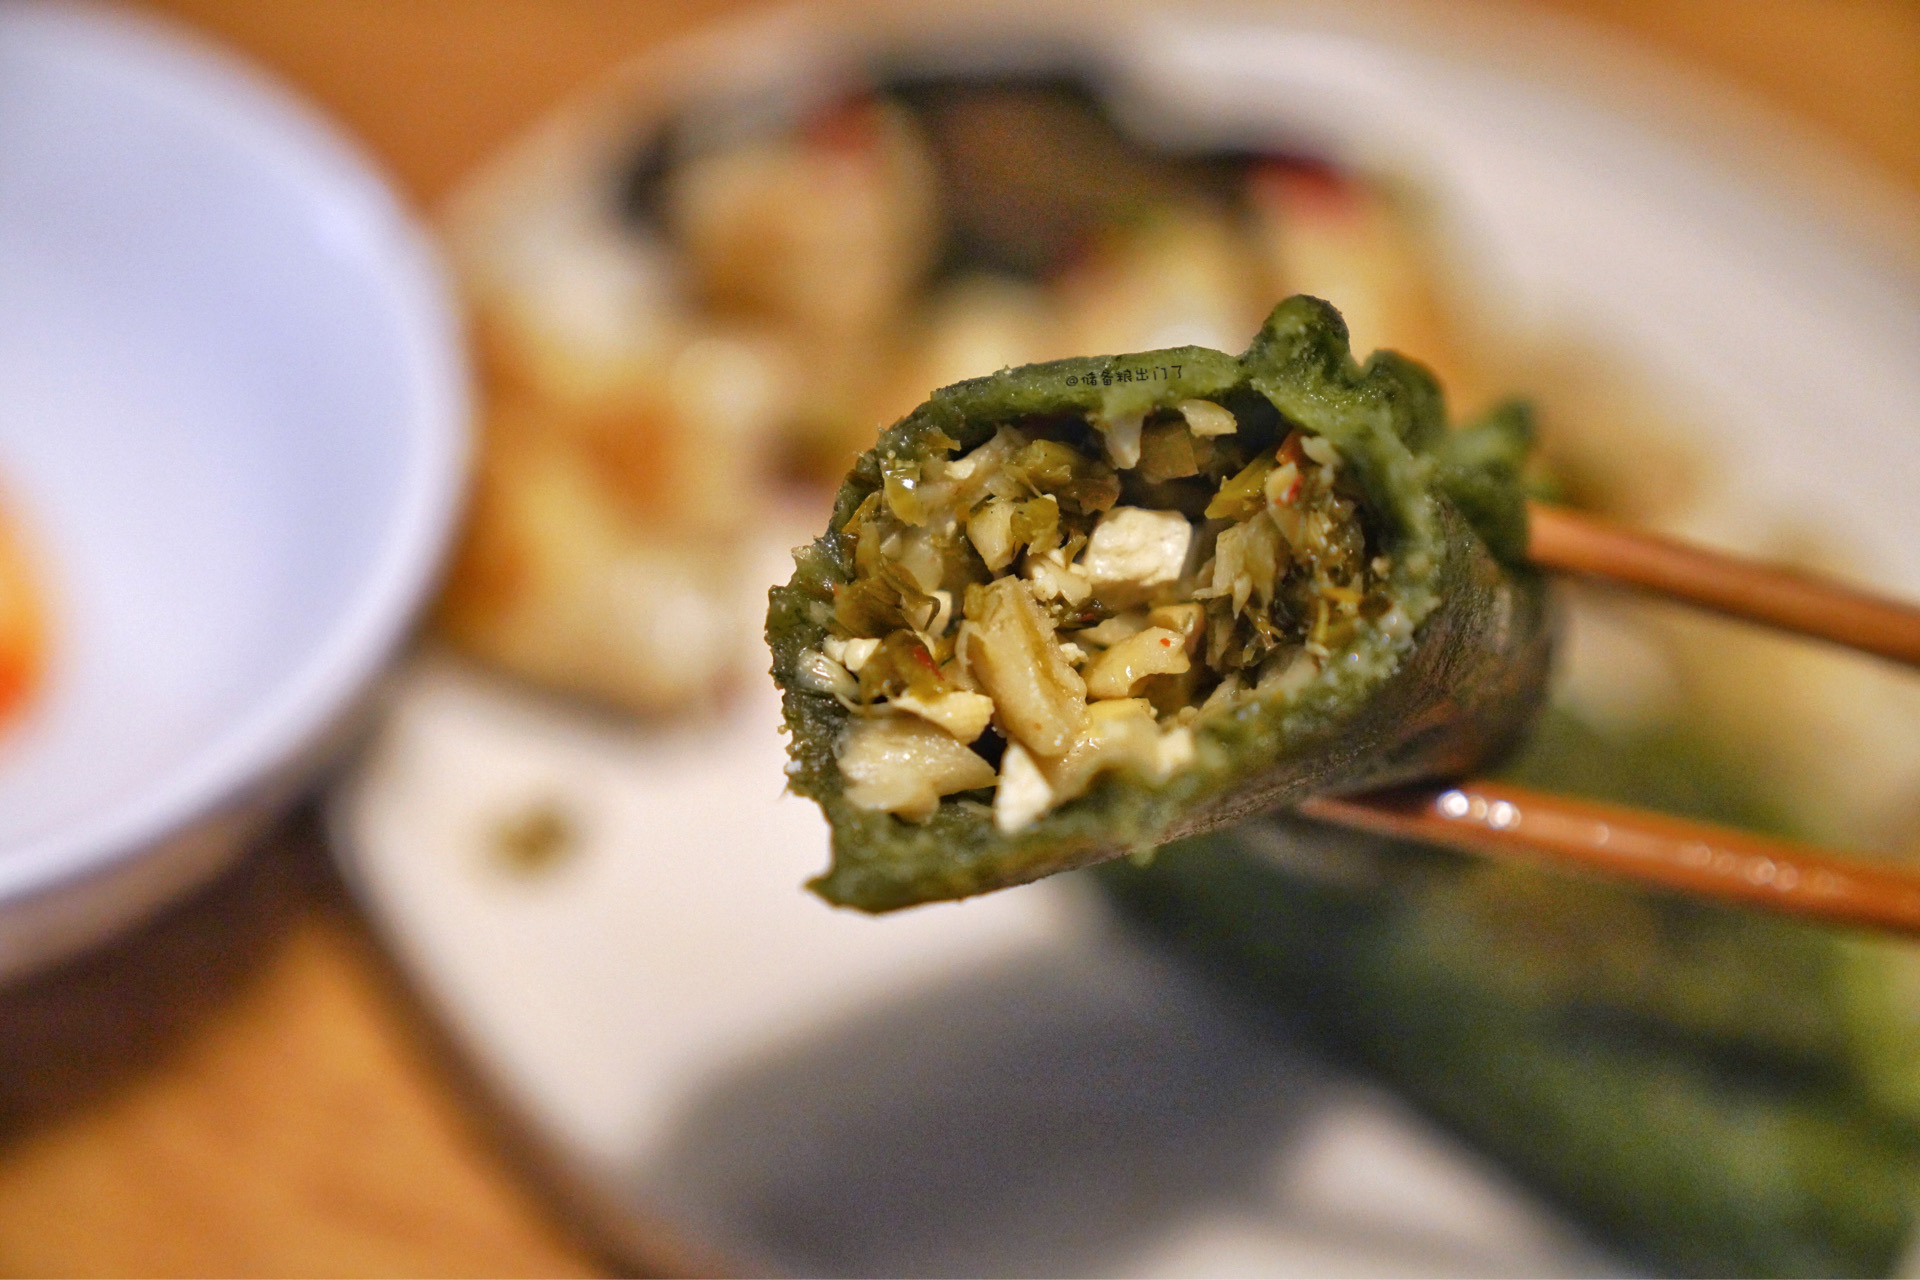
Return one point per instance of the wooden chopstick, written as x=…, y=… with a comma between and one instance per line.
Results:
x=1775, y=597
x=1655, y=848
x=1658, y=849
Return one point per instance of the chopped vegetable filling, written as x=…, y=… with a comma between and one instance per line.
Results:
x=1067, y=605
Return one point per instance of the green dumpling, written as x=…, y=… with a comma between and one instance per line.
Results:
x=1075, y=610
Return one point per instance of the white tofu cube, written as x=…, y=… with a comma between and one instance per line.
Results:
x=1023, y=793
x=1133, y=550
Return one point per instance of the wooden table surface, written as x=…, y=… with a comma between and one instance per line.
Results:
x=245, y=1086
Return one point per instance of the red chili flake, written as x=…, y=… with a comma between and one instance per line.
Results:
x=1292, y=449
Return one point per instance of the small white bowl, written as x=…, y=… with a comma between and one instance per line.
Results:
x=233, y=422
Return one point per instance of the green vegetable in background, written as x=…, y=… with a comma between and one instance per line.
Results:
x=1711, y=1089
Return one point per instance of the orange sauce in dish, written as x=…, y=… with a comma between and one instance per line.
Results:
x=22, y=623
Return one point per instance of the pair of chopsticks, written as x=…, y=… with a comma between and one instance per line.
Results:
x=1694, y=857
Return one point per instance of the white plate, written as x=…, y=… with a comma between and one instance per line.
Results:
x=1004, y=1086
x=233, y=421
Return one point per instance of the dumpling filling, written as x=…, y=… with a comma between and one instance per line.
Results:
x=1074, y=596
